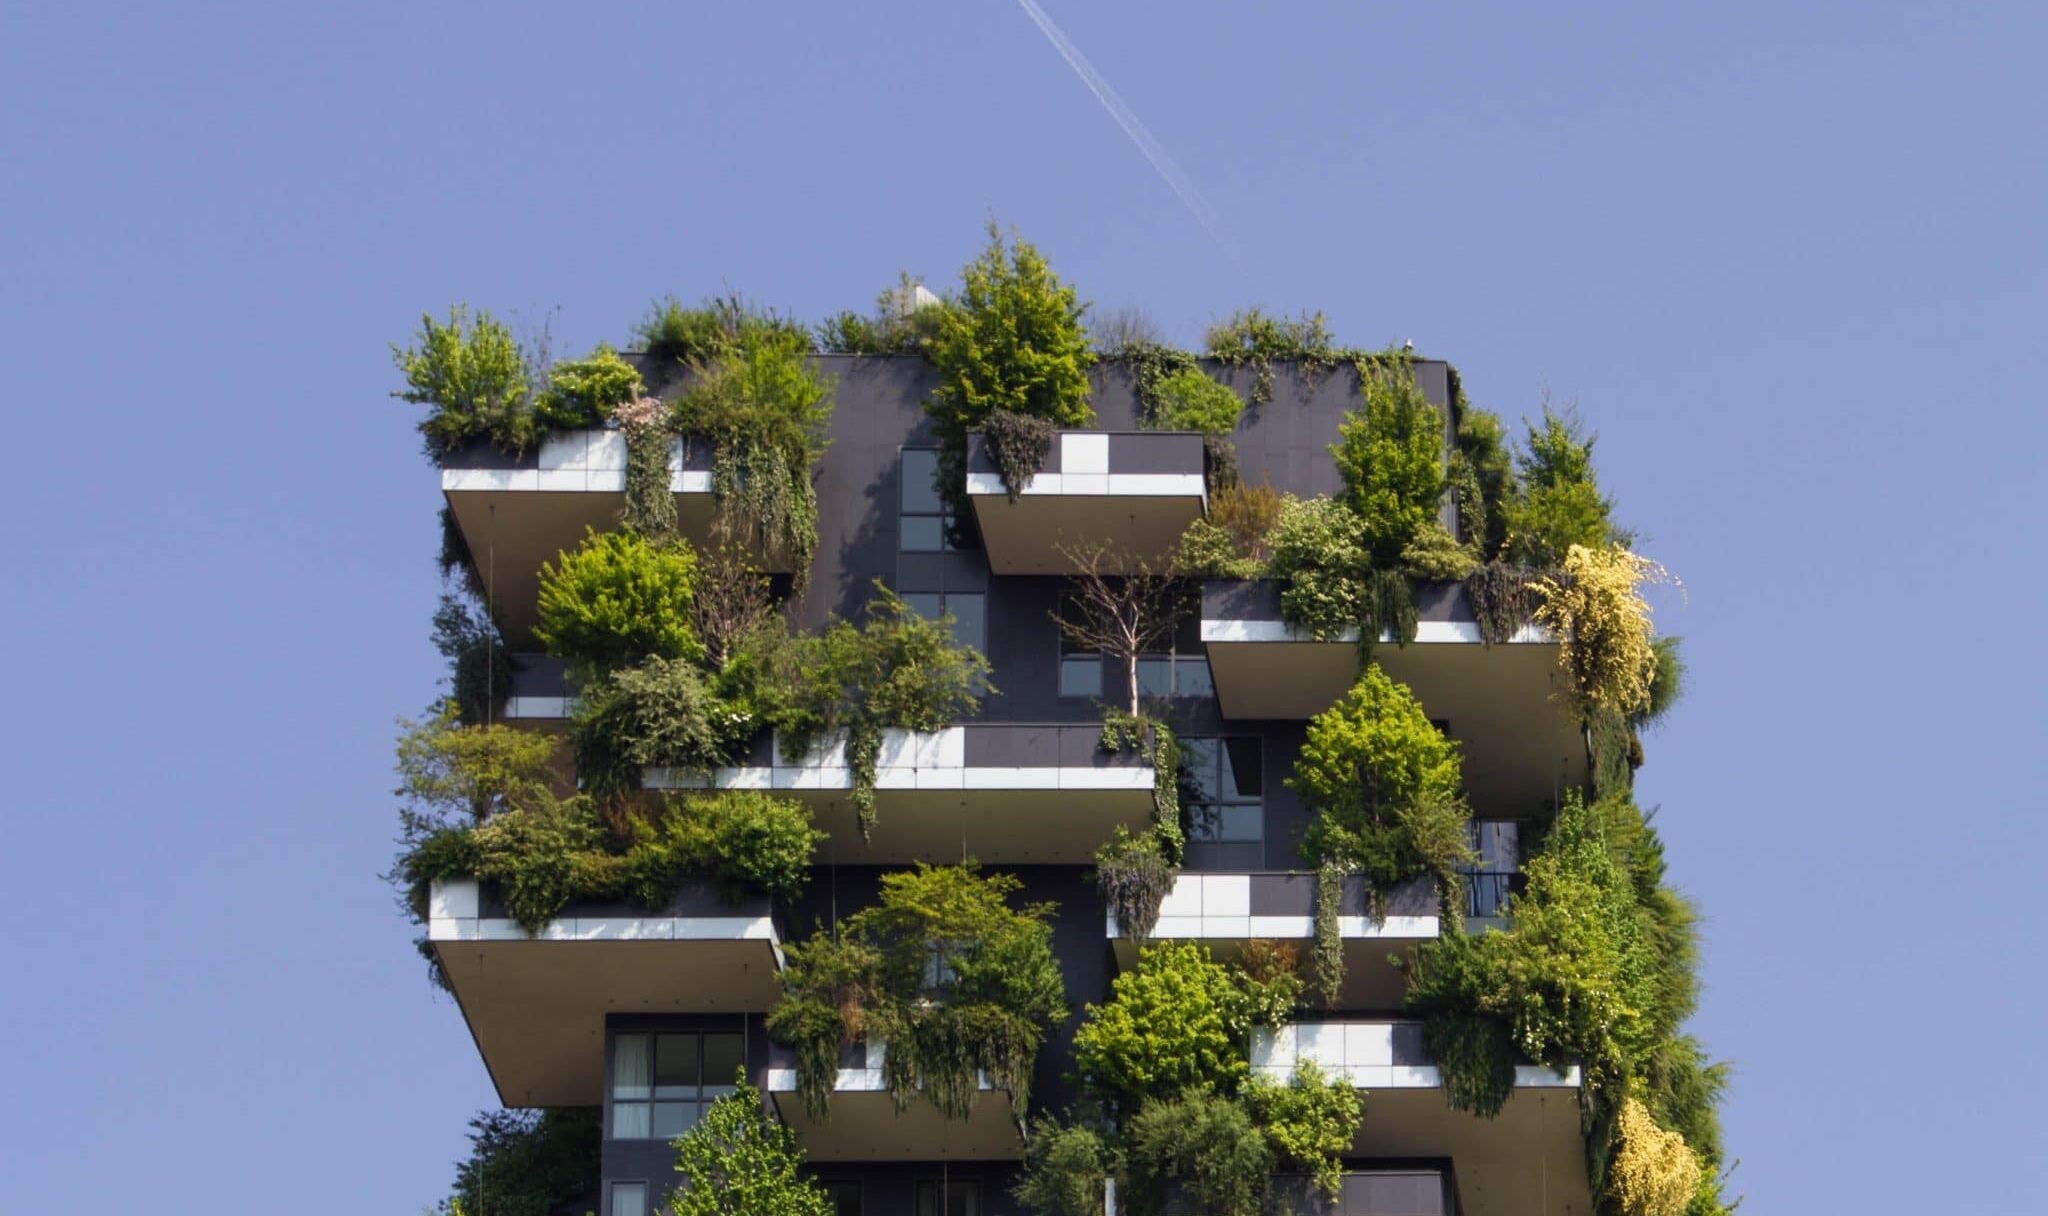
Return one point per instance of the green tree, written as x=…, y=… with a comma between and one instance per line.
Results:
x=1310, y=1121
x=661, y=714
x=615, y=601
x=1012, y=341
x=450, y=774
x=1064, y=1170
x=737, y=1161
x=1180, y=1021
x=1558, y=502
x=1390, y=451
x=527, y=1162
x=1385, y=786
x=1205, y=1146
x=474, y=375
x=1188, y=400
x=1483, y=477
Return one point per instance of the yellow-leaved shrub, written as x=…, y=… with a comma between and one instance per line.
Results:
x=1597, y=611
x=1653, y=1172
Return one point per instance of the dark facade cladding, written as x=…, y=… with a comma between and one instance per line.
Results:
x=872, y=527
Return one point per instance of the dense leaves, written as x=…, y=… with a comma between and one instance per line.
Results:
x=738, y=1161
x=617, y=600
x=474, y=375
x=1390, y=452
x=528, y=1162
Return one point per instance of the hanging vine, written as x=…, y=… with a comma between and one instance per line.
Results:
x=1329, y=932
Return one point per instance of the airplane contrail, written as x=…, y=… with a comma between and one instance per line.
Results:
x=1125, y=117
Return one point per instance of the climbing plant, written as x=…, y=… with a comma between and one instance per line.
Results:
x=650, y=506
x=944, y=970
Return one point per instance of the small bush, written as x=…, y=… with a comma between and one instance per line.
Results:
x=1652, y=1172
x=1207, y=1148
x=1319, y=552
x=615, y=601
x=1432, y=555
x=1064, y=1171
x=1188, y=400
x=747, y=839
x=674, y=333
x=1135, y=880
x=474, y=375
x=1390, y=451
x=904, y=323
x=1310, y=1122
x=1558, y=502
x=582, y=393
x=660, y=714
x=1013, y=341
x=1596, y=608
x=450, y=773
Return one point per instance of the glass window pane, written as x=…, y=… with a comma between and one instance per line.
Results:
x=1198, y=764
x=963, y=1199
x=629, y=1199
x=926, y=604
x=921, y=534
x=675, y=1066
x=1155, y=676
x=845, y=1197
x=629, y=1121
x=723, y=1054
x=1240, y=823
x=920, y=485
x=967, y=620
x=672, y=1119
x=1240, y=776
x=1191, y=678
x=1081, y=676
x=630, y=1065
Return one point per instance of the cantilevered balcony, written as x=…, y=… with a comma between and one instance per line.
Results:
x=536, y=1004
x=1520, y=752
x=1224, y=911
x=1003, y=793
x=1133, y=491
x=1530, y=1157
x=863, y=1123
x=516, y=513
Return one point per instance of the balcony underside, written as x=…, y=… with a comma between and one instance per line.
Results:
x=512, y=533
x=1519, y=749
x=864, y=1124
x=536, y=1006
x=1530, y=1158
x=1026, y=536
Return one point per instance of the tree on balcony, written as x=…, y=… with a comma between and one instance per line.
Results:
x=737, y=1161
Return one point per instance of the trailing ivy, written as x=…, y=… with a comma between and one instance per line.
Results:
x=1019, y=445
x=1135, y=878
x=1503, y=599
x=1155, y=740
x=1595, y=608
x=945, y=971
x=650, y=506
x=1329, y=931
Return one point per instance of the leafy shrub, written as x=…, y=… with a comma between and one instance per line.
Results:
x=748, y=839
x=1019, y=444
x=1482, y=480
x=1251, y=338
x=1135, y=880
x=1013, y=341
x=660, y=714
x=1207, y=1148
x=1248, y=513
x=540, y=856
x=1318, y=551
x=1179, y=1022
x=1652, y=1173
x=1208, y=551
x=1310, y=1121
x=764, y=409
x=528, y=1162
x=1596, y=608
x=1064, y=1170
x=737, y=1161
x=480, y=667
x=617, y=600
x=1434, y=556
x=1384, y=785
x=650, y=507
x=583, y=392
x=904, y=323
x=1558, y=503
x=1188, y=400
x=449, y=773
x=943, y=970
x=474, y=375
x=1390, y=451
x=673, y=333
x=1270, y=976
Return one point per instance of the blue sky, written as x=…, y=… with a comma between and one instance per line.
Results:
x=1789, y=261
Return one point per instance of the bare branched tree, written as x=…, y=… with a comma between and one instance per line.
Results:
x=732, y=600
x=1121, y=606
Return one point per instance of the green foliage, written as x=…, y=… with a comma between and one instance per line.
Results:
x=1151, y=364
x=450, y=773
x=474, y=375
x=1329, y=931
x=1180, y=1021
x=903, y=324
x=1208, y=551
x=1135, y=880
x=1667, y=683
x=582, y=393
x=674, y=334
x=738, y=1161
x=1014, y=341
x=1251, y=336
x=1188, y=400
x=1390, y=451
x=1433, y=555
x=1206, y=1147
x=528, y=1162
x=1558, y=503
x=1385, y=788
x=480, y=668
x=660, y=714
x=1064, y=1170
x=1503, y=599
x=617, y=600
x=749, y=840
x=1123, y=731
x=897, y=670
x=1019, y=445
x=1482, y=479
x=1310, y=1122
x=1269, y=977
x=650, y=507
x=1318, y=551
x=764, y=409
x=944, y=971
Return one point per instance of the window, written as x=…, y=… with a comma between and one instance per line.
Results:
x=1225, y=788
x=1183, y=669
x=1080, y=668
x=967, y=607
x=844, y=1194
x=924, y=525
x=629, y=1199
x=948, y=1197
x=661, y=1083
x=1491, y=879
